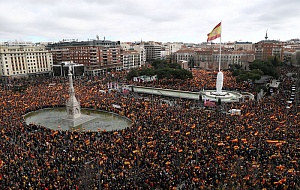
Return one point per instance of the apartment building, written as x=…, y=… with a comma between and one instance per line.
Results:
x=142, y=53
x=97, y=56
x=267, y=48
x=153, y=51
x=130, y=59
x=291, y=52
x=171, y=47
x=24, y=59
x=137, y=46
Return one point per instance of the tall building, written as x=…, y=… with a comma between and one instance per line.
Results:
x=171, y=48
x=142, y=52
x=130, y=59
x=23, y=59
x=153, y=51
x=97, y=56
x=137, y=46
x=267, y=48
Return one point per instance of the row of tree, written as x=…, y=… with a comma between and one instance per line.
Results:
x=257, y=69
x=162, y=69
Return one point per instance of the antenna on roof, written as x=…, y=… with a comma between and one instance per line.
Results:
x=266, y=37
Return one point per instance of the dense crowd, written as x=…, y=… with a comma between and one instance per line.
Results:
x=166, y=147
x=202, y=79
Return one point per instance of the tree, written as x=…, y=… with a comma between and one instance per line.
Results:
x=257, y=71
x=234, y=67
x=162, y=69
x=158, y=63
x=252, y=75
x=173, y=65
x=275, y=61
x=147, y=72
x=236, y=72
x=132, y=73
x=266, y=67
x=163, y=73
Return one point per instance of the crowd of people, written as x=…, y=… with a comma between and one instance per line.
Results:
x=202, y=79
x=166, y=147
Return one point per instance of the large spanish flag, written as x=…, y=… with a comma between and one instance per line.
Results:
x=215, y=33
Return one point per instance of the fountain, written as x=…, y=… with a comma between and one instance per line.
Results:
x=74, y=118
x=219, y=94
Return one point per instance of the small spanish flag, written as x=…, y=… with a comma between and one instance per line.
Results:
x=215, y=33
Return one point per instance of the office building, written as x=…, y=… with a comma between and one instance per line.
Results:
x=97, y=56
x=24, y=59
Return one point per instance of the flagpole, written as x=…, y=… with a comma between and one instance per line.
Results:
x=220, y=50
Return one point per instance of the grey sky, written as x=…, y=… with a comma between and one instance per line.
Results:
x=151, y=20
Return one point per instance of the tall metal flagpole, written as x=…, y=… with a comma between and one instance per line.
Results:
x=219, y=83
x=220, y=49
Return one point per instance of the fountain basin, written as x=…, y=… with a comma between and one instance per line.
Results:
x=91, y=120
x=225, y=96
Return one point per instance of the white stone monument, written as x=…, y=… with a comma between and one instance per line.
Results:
x=74, y=116
x=219, y=83
x=73, y=106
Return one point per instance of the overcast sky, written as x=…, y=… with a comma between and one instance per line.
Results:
x=148, y=20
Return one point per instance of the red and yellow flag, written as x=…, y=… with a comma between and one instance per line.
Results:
x=215, y=33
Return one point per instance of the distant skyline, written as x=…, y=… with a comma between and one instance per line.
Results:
x=186, y=21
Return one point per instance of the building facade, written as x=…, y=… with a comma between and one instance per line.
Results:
x=24, y=59
x=97, y=56
x=130, y=59
x=137, y=46
x=243, y=46
x=153, y=51
x=208, y=58
x=172, y=47
x=186, y=54
x=268, y=48
x=142, y=53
